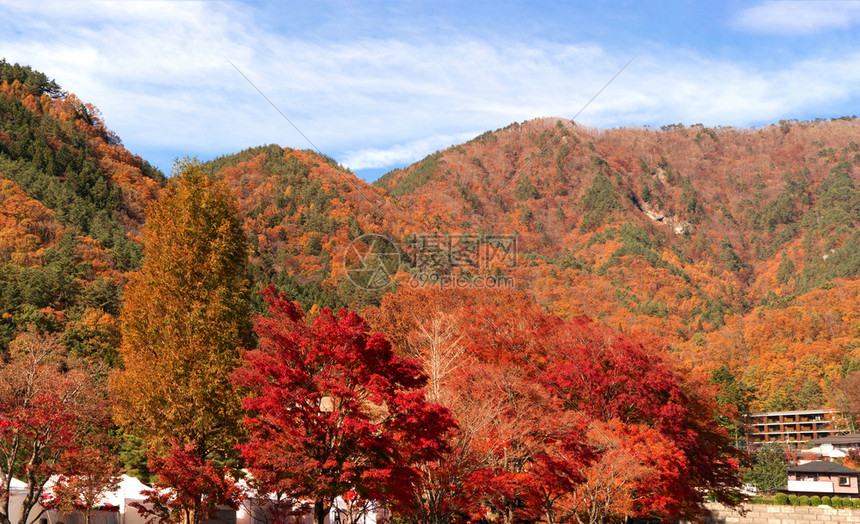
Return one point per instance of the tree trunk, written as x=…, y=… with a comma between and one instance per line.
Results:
x=31, y=501
x=4, y=505
x=548, y=511
x=319, y=511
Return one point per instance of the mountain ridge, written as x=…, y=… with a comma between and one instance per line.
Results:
x=752, y=218
x=731, y=247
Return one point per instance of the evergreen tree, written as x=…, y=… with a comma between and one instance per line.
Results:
x=768, y=471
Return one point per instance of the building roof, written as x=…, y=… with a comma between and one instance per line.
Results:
x=851, y=438
x=799, y=412
x=821, y=466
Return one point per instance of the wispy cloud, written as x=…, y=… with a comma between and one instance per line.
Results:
x=157, y=72
x=689, y=88
x=801, y=17
x=402, y=154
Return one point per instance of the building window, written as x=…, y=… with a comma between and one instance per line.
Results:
x=843, y=481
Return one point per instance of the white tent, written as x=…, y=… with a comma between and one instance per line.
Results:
x=367, y=512
x=130, y=490
x=254, y=510
x=17, y=486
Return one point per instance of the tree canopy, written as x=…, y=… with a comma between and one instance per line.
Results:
x=53, y=412
x=332, y=409
x=185, y=320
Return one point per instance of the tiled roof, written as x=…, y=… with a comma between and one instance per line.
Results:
x=821, y=466
x=851, y=438
x=799, y=412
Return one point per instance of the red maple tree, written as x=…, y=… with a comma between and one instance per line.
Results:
x=51, y=409
x=332, y=409
x=97, y=471
x=189, y=488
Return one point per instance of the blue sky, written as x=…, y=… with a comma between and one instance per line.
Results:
x=379, y=85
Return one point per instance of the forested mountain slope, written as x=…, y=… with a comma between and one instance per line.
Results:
x=735, y=246
x=727, y=246
x=72, y=212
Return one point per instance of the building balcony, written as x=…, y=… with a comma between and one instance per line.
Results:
x=810, y=486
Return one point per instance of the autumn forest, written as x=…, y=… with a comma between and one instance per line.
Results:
x=546, y=323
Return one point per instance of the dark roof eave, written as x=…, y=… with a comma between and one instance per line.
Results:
x=819, y=466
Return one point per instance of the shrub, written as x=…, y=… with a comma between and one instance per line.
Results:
x=781, y=499
x=803, y=501
x=525, y=190
x=825, y=500
x=856, y=503
x=792, y=499
x=836, y=502
x=815, y=500
x=599, y=200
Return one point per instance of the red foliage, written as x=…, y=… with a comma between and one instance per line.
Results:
x=189, y=489
x=96, y=472
x=606, y=376
x=51, y=409
x=555, y=416
x=332, y=408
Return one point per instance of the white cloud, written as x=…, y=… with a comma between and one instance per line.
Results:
x=158, y=73
x=691, y=89
x=402, y=154
x=803, y=17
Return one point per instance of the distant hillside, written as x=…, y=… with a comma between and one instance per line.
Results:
x=301, y=211
x=731, y=247
x=695, y=234
x=73, y=201
x=705, y=238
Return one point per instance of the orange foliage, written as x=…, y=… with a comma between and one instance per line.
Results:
x=26, y=226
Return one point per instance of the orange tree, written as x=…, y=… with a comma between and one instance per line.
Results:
x=562, y=418
x=185, y=319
